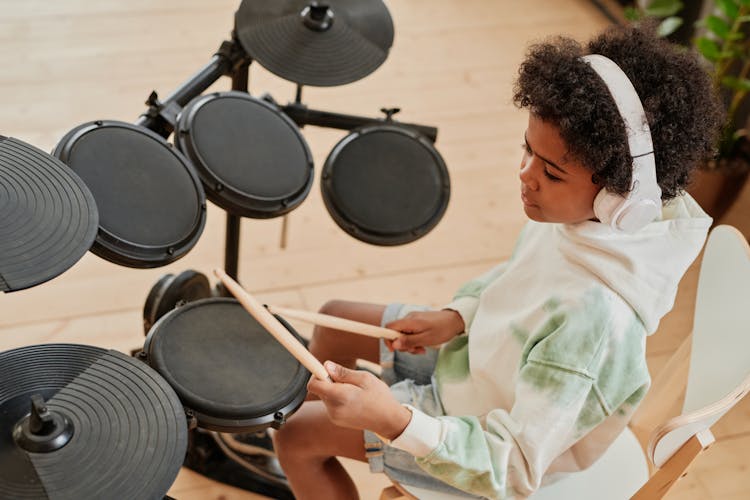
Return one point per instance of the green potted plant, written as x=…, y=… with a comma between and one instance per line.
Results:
x=724, y=42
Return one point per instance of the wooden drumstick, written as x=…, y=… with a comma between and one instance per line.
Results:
x=274, y=326
x=335, y=322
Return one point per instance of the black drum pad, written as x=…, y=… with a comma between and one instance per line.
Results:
x=225, y=366
x=49, y=217
x=152, y=207
x=251, y=157
x=129, y=429
x=385, y=185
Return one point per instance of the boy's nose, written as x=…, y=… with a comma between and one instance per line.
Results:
x=527, y=177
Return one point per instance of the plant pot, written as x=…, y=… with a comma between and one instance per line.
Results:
x=715, y=190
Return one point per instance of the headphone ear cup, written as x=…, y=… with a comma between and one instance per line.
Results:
x=627, y=214
x=607, y=205
x=637, y=214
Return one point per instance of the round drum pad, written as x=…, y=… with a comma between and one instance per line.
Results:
x=151, y=203
x=226, y=368
x=127, y=429
x=49, y=217
x=385, y=185
x=251, y=157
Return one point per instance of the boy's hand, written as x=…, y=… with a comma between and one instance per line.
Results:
x=425, y=328
x=360, y=400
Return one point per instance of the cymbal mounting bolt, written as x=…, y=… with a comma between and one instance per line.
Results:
x=317, y=16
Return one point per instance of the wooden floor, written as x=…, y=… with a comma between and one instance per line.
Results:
x=451, y=66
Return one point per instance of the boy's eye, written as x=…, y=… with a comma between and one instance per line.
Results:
x=527, y=149
x=551, y=177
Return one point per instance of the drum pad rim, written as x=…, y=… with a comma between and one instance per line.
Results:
x=118, y=250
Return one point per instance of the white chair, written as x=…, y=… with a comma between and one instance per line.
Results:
x=718, y=378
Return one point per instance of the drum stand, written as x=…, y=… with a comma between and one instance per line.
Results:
x=161, y=117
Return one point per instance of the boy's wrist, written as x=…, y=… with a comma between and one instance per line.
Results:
x=457, y=321
x=422, y=436
x=466, y=307
x=397, y=423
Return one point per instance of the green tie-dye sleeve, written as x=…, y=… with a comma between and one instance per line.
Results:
x=475, y=287
x=511, y=452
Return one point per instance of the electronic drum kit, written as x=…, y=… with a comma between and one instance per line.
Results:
x=83, y=422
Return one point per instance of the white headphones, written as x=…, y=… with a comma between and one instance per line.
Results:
x=642, y=204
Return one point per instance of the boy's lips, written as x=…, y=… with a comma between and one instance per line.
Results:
x=526, y=201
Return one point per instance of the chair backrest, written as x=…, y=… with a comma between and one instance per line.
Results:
x=719, y=373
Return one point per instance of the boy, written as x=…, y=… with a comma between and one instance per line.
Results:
x=541, y=361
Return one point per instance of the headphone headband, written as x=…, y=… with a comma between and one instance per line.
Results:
x=643, y=202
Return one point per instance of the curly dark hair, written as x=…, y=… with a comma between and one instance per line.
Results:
x=683, y=110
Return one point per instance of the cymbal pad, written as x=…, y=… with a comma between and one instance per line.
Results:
x=129, y=431
x=323, y=43
x=50, y=218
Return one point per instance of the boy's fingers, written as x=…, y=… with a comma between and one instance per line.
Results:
x=389, y=344
x=406, y=324
x=398, y=325
x=316, y=386
x=345, y=375
x=328, y=391
x=410, y=341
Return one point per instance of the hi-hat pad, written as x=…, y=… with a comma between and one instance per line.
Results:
x=49, y=217
x=322, y=43
x=82, y=422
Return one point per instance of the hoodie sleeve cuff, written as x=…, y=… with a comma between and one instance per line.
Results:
x=466, y=307
x=423, y=434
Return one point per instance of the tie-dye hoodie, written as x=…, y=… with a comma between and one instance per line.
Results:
x=553, y=361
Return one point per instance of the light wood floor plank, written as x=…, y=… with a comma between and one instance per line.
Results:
x=451, y=66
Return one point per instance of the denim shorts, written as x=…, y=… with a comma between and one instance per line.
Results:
x=410, y=379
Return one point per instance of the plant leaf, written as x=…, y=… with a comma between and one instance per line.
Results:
x=632, y=14
x=736, y=83
x=663, y=8
x=708, y=48
x=718, y=26
x=669, y=26
x=729, y=8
